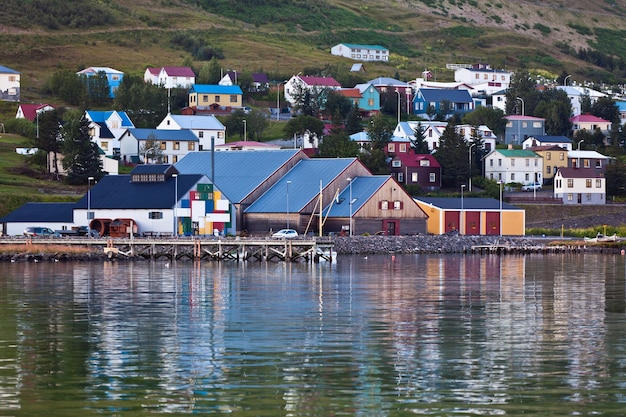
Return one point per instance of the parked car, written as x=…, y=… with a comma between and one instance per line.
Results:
x=285, y=234
x=40, y=231
x=532, y=186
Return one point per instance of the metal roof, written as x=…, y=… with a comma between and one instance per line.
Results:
x=41, y=212
x=454, y=203
x=215, y=89
x=363, y=188
x=163, y=134
x=237, y=173
x=7, y=70
x=437, y=95
x=304, y=185
x=191, y=122
x=554, y=139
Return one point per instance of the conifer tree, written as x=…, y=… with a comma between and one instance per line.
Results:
x=418, y=141
x=82, y=159
x=452, y=155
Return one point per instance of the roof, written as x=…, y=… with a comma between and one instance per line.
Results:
x=586, y=155
x=553, y=139
x=304, y=182
x=119, y=192
x=413, y=160
x=433, y=95
x=105, y=132
x=485, y=70
x=154, y=70
x=30, y=110
x=350, y=92
x=163, y=134
x=320, y=81
x=363, y=188
x=237, y=173
x=153, y=169
x=546, y=148
x=215, y=89
x=179, y=71
x=7, y=70
x=516, y=153
x=260, y=77
x=587, y=118
x=357, y=67
x=197, y=122
x=95, y=70
x=359, y=46
x=247, y=144
x=454, y=203
x=578, y=173
x=387, y=81
x=528, y=118
x=360, y=137
x=99, y=116
x=41, y=212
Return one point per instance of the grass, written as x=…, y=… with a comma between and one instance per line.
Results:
x=10, y=249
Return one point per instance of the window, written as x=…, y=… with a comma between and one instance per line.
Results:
x=570, y=197
x=397, y=205
x=527, y=162
x=561, y=156
x=217, y=99
x=163, y=146
x=570, y=183
x=548, y=156
x=586, y=163
x=403, y=147
x=176, y=146
x=499, y=162
x=588, y=196
x=512, y=176
x=205, y=98
x=598, y=164
x=201, y=134
x=155, y=215
x=527, y=178
x=104, y=146
x=548, y=168
x=396, y=164
x=400, y=177
x=537, y=125
x=390, y=147
x=174, y=159
x=370, y=102
x=512, y=162
x=491, y=162
x=414, y=177
x=499, y=177
x=233, y=98
x=384, y=205
x=598, y=183
x=432, y=177
x=191, y=146
x=588, y=183
x=524, y=125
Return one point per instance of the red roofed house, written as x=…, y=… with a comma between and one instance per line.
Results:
x=590, y=123
x=352, y=94
x=171, y=77
x=30, y=111
x=299, y=83
x=410, y=169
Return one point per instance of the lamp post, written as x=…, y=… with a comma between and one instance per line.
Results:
x=175, y=204
x=278, y=100
x=565, y=80
x=470, y=167
x=579, y=142
x=461, y=219
x=288, y=182
x=245, y=130
x=500, y=227
x=89, y=216
x=522, y=101
x=350, y=186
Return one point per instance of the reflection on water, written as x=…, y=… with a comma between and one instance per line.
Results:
x=382, y=335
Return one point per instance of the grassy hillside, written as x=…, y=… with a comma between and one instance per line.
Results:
x=283, y=37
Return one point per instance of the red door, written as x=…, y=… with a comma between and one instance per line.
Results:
x=472, y=222
x=391, y=227
x=493, y=223
x=452, y=221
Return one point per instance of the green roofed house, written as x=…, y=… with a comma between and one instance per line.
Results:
x=361, y=52
x=510, y=165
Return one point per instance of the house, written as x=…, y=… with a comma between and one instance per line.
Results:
x=170, y=77
x=426, y=83
x=352, y=94
x=514, y=166
x=215, y=97
x=260, y=81
x=590, y=123
x=580, y=186
x=300, y=83
x=207, y=128
x=31, y=111
x=374, y=204
x=519, y=128
x=576, y=93
x=434, y=129
x=428, y=101
x=9, y=84
x=172, y=145
x=411, y=169
x=242, y=176
x=621, y=107
x=587, y=159
x=498, y=100
x=56, y=216
x=472, y=216
x=369, y=102
x=114, y=77
x=361, y=52
x=553, y=157
x=484, y=78
x=359, y=67
x=391, y=85
x=562, y=142
x=106, y=129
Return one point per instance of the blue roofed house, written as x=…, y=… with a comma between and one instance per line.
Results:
x=114, y=77
x=242, y=176
x=106, y=128
x=518, y=128
x=207, y=128
x=56, y=216
x=9, y=84
x=215, y=98
x=137, y=145
x=444, y=101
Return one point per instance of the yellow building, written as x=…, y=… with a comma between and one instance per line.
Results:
x=472, y=216
x=212, y=97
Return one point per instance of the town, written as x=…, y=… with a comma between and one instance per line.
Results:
x=379, y=157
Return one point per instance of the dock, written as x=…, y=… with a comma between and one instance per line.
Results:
x=210, y=249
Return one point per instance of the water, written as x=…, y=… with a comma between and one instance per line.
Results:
x=375, y=336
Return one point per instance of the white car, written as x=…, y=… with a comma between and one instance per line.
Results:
x=285, y=234
x=532, y=186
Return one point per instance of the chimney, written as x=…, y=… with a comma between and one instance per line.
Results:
x=510, y=147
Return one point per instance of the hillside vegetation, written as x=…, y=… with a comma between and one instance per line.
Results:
x=281, y=37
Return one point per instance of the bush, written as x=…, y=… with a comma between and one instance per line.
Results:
x=22, y=127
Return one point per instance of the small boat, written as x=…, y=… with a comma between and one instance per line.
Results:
x=601, y=238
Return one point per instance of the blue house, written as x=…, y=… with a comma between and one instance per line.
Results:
x=519, y=128
x=448, y=102
x=114, y=77
x=369, y=103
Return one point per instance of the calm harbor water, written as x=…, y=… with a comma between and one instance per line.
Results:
x=367, y=336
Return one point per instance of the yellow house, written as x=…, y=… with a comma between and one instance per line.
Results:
x=206, y=97
x=554, y=157
x=472, y=216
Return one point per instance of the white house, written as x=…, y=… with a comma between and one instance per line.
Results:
x=484, y=78
x=106, y=128
x=576, y=93
x=580, y=186
x=9, y=84
x=361, y=52
x=170, y=77
x=32, y=111
x=207, y=128
x=547, y=140
x=514, y=165
x=434, y=129
x=172, y=145
x=299, y=83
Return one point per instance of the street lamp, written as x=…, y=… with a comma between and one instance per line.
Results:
x=175, y=204
x=288, y=182
x=579, y=142
x=500, y=226
x=278, y=100
x=461, y=219
x=350, y=186
x=89, y=216
x=245, y=130
x=470, y=167
x=522, y=101
x=565, y=80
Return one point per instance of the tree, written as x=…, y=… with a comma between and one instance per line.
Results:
x=522, y=86
x=300, y=125
x=493, y=118
x=616, y=178
x=555, y=106
x=418, y=141
x=376, y=161
x=354, y=122
x=338, y=144
x=146, y=104
x=49, y=138
x=255, y=124
x=82, y=159
x=381, y=131
x=337, y=104
x=605, y=108
x=452, y=155
x=151, y=150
